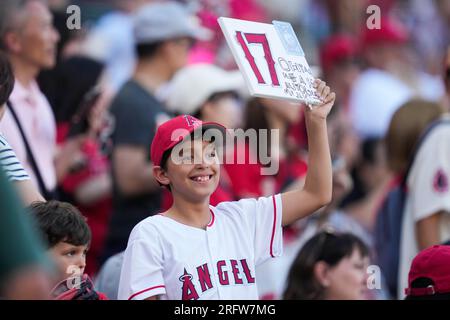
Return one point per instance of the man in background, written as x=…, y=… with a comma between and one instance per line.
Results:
x=163, y=35
x=29, y=40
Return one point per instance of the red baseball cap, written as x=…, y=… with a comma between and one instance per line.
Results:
x=432, y=263
x=390, y=32
x=337, y=48
x=174, y=131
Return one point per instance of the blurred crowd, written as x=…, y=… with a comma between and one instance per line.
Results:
x=79, y=109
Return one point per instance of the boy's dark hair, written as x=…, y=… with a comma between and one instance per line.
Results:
x=165, y=157
x=327, y=247
x=61, y=222
x=6, y=79
x=147, y=50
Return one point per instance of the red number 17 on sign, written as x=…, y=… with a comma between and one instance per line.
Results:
x=258, y=38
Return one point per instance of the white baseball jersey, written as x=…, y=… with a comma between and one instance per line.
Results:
x=176, y=261
x=428, y=193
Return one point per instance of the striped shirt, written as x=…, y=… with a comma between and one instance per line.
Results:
x=9, y=162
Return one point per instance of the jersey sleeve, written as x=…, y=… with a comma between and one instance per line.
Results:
x=142, y=269
x=263, y=217
x=428, y=181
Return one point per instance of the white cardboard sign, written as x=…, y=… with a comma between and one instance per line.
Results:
x=271, y=59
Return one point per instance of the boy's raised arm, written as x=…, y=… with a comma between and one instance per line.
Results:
x=316, y=192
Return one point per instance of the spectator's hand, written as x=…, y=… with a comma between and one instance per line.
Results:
x=69, y=157
x=326, y=96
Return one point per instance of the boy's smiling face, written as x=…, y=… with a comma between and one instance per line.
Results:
x=193, y=170
x=70, y=259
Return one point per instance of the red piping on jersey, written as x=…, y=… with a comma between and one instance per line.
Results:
x=145, y=290
x=274, y=225
x=212, y=219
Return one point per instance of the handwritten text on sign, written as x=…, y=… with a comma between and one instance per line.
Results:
x=271, y=59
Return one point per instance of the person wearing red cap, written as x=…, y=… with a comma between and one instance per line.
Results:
x=197, y=251
x=339, y=62
x=429, y=276
x=163, y=35
x=390, y=80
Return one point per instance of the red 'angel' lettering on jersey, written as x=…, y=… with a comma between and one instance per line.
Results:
x=247, y=271
x=206, y=282
x=204, y=277
x=235, y=271
x=223, y=275
x=188, y=289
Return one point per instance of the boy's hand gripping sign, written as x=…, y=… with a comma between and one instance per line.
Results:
x=271, y=59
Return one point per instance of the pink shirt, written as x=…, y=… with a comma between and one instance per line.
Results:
x=37, y=120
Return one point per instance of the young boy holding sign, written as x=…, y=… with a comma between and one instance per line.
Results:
x=197, y=251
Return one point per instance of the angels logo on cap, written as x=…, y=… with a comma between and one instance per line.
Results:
x=191, y=121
